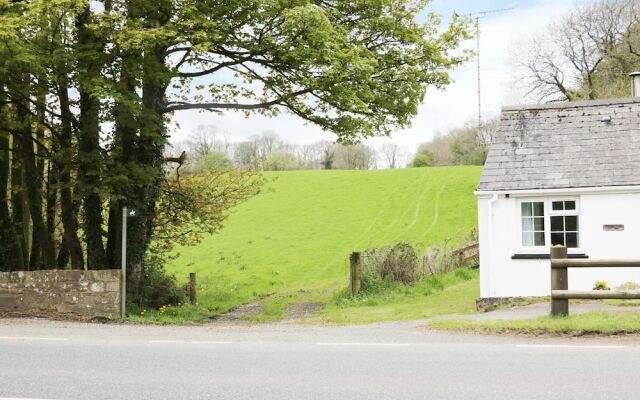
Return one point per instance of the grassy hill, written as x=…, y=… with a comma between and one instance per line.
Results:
x=296, y=237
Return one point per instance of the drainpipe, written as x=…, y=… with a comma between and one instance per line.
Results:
x=492, y=290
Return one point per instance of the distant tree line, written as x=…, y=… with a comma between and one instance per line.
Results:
x=208, y=149
x=466, y=145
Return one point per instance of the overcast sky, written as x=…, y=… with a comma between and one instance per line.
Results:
x=441, y=109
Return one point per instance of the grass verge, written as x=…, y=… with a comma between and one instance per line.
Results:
x=452, y=293
x=593, y=323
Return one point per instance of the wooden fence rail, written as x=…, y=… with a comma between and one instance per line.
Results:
x=560, y=294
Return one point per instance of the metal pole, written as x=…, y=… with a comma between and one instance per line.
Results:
x=477, y=16
x=123, y=295
x=478, y=59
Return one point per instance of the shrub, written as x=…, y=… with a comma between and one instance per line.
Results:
x=423, y=159
x=628, y=286
x=601, y=285
x=385, y=267
x=401, y=264
x=214, y=161
x=371, y=280
x=160, y=289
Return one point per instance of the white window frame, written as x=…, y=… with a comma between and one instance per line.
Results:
x=575, y=212
x=548, y=212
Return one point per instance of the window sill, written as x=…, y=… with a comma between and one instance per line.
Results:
x=543, y=256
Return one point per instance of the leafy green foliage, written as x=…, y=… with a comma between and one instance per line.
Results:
x=281, y=161
x=159, y=289
x=423, y=159
x=214, y=161
x=465, y=145
x=193, y=206
x=356, y=68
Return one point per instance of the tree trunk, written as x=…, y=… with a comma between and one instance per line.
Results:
x=49, y=248
x=144, y=188
x=68, y=216
x=41, y=247
x=90, y=60
x=11, y=256
x=126, y=128
x=153, y=137
x=19, y=214
x=52, y=193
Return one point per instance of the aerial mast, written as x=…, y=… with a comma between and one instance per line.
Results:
x=477, y=16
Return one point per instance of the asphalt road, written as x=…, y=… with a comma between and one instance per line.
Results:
x=55, y=360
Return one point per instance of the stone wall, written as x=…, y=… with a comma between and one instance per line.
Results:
x=48, y=292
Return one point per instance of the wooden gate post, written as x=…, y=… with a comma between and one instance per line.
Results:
x=559, y=281
x=193, y=296
x=354, y=262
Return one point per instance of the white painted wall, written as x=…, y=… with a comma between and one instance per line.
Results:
x=500, y=239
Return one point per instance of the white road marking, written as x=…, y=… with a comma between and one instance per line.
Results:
x=568, y=346
x=31, y=338
x=186, y=342
x=359, y=344
x=19, y=398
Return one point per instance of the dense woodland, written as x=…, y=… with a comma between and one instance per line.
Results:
x=88, y=90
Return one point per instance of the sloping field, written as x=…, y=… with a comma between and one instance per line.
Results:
x=296, y=236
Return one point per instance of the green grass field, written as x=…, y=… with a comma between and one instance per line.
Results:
x=293, y=240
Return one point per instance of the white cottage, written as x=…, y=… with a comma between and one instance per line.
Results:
x=560, y=173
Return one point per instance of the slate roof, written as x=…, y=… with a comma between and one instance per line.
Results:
x=565, y=145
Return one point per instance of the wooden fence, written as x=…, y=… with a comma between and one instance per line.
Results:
x=560, y=294
x=468, y=253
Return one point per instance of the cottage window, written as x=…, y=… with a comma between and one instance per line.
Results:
x=533, y=223
x=564, y=223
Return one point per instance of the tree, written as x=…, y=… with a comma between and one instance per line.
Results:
x=569, y=59
x=207, y=139
x=355, y=156
x=465, y=145
x=195, y=205
x=214, y=161
x=391, y=153
x=423, y=159
x=281, y=161
x=245, y=155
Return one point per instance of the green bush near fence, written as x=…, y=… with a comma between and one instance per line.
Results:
x=383, y=267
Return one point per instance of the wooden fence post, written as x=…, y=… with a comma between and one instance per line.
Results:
x=559, y=281
x=354, y=262
x=193, y=296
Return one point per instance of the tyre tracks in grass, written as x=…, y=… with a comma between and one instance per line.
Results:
x=380, y=215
